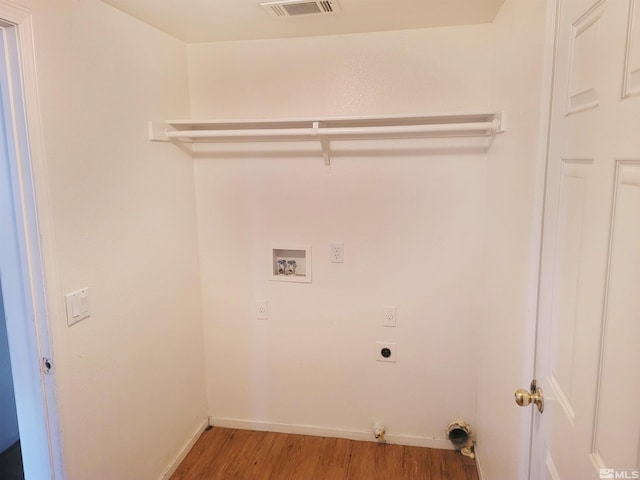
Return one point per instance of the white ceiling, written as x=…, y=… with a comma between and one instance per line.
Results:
x=195, y=21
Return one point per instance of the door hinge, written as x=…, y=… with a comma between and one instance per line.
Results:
x=47, y=366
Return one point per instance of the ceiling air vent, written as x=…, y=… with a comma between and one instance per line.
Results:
x=291, y=8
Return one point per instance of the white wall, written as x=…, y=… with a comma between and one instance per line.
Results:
x=8, y=421
x=514, y=174
x=410, y=216
x=411, y=71
x=130, y=378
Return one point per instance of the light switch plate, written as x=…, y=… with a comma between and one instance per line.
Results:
x=77, y=306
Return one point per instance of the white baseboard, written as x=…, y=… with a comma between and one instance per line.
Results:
x=431, y=442
x=478, y=463
x=185, y=450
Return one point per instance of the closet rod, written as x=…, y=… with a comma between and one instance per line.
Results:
x=479, y=128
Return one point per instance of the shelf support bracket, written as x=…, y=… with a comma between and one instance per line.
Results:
x=157, y=131
x=324, y=144
x=499, y=122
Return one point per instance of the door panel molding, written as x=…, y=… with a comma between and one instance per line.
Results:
x=552, y=471
x=569, y=230
x=582, y=93
x=631, y=78
x=617, y=417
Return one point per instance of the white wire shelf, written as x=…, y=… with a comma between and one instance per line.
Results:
x=324, y=130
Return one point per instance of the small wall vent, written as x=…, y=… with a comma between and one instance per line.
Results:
x=292, y=8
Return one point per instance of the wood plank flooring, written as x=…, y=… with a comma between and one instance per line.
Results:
x=223, y=453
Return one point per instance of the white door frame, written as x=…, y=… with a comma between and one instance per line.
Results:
x=23, y=237
x=545, y=125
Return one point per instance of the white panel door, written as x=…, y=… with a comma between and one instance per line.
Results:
x=588, y=340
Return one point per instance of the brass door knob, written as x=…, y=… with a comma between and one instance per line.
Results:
x=535, y=396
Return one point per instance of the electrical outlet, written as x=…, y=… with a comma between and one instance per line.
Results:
x=336, y=252
x=390, y=318
x=262, y=310
x=386, y=352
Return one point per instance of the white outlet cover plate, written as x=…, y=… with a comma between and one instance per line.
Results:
x=336, y=252
x=393, y=358
x=262, y=310
x=390, y=317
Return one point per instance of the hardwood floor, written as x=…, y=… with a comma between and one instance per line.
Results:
x=223, y=453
